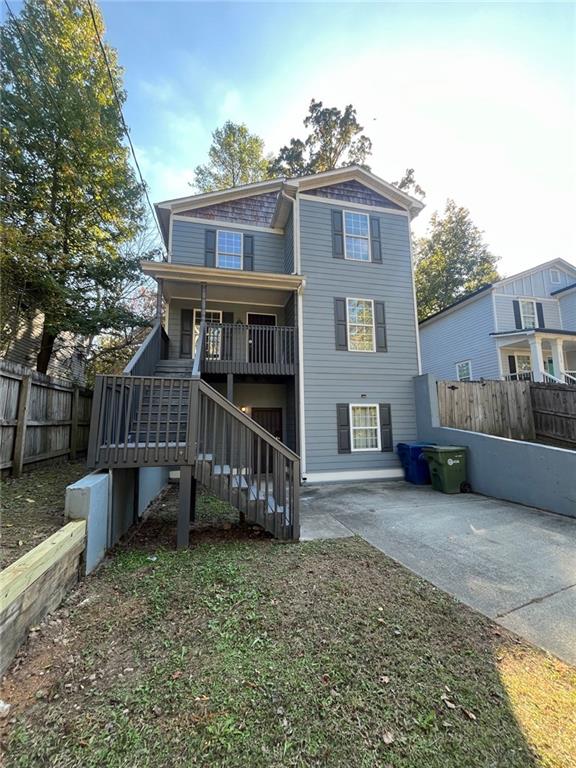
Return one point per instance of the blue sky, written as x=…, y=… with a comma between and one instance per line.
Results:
x=479, y=98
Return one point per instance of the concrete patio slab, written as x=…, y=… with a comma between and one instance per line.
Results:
x=515, y=564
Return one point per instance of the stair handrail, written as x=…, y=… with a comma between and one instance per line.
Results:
x=198, y=352
x=248, y=422
x=144, y=361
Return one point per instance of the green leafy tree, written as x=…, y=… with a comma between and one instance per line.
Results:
x=235, y=157
x=69, y=198
x=335, y=139
x=409, y=184
x=451, y=261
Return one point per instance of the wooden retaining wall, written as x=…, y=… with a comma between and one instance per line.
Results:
x=40, y=417
x=501, y=408
x=36, y=584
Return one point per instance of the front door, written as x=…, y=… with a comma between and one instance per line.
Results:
x=271, y=420
x=261, y=342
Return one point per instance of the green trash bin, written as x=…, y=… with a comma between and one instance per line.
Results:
x=447, y=467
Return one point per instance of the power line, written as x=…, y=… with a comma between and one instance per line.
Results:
x=121, y=114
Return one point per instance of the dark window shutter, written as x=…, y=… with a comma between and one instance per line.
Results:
x=248, y=253
x=227, y=317
x=386, y=427
x=340, y=328
x=512, y=364
x=380, y=325
x=186, y=317
x=517, y=315
x=375, y=245
x=210, y=248
x=337, y=235
x=540, y=315
x=343, y=425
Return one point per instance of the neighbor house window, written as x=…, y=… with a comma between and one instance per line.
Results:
x=360, y=325
x=229, y=250
x=364, y=428
x=356, y=236
x=528, y=314
x=555, y=276
x=464, y=370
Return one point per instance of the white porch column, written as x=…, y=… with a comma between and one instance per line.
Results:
x=558, y=358
x=536, y=358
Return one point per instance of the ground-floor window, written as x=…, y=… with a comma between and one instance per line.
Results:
x=365, y=427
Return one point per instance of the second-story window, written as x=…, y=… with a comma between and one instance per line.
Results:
x=528, y=313
x=229, y=249
x=356, y=236
x=360, y=321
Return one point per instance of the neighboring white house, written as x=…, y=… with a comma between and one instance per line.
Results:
x=521, y=327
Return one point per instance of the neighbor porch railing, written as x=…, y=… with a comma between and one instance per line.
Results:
x=249, y=349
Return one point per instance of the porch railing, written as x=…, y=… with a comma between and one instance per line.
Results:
x=250, y=349
x=520, y=376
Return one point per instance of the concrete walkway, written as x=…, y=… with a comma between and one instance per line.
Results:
x=514, y=564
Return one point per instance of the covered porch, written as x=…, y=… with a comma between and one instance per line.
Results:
x=540, y=355
x=250, y=318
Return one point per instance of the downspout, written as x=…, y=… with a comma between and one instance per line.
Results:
x=295, y=201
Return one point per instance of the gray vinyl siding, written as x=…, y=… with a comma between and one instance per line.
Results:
x=332, y=376
x=289, y=245
x=239, y=311
x=463, y=334
x=567, y=305
x=188, y=245
x=538, y=283
x=505, y=312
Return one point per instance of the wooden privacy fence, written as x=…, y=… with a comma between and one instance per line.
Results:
x=501, y=408
x=521, y=410
x=40, y=417
x=554, y=408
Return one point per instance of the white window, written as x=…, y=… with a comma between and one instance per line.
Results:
x=464, y=370
x=364, y=428
x=528, y=314
x=213, y=339
x=360, y=325
x=356, y=236
x=555, y=276
x=229, y=249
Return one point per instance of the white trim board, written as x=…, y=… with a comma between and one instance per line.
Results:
x=233, y=225
x=347, y=204
x=354, y=474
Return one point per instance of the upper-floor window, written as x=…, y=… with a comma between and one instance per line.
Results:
x=528, y=314
x=356, y=236
x=464, y=370
x=555, y=276
x=360, y=325
x=229, y=249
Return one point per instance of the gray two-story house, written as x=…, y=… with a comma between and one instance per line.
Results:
x=521, y=327
x=292, y=302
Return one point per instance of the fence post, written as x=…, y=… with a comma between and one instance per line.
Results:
x=21, y=419
x=74, y=423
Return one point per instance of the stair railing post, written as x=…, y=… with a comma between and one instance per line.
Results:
x=192, y=430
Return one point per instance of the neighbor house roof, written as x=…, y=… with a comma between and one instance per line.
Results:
x=559, y=262
x=566, y=288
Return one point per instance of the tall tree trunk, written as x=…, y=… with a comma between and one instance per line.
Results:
x=45, y=352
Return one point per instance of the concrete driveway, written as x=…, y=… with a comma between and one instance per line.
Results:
x=514, y=564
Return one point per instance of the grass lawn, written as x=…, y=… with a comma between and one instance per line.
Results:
x=252, y=654
x=33, y=506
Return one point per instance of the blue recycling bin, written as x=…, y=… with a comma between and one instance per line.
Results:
x=416, y=470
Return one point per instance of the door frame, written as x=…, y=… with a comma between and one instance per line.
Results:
x=262, y=314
